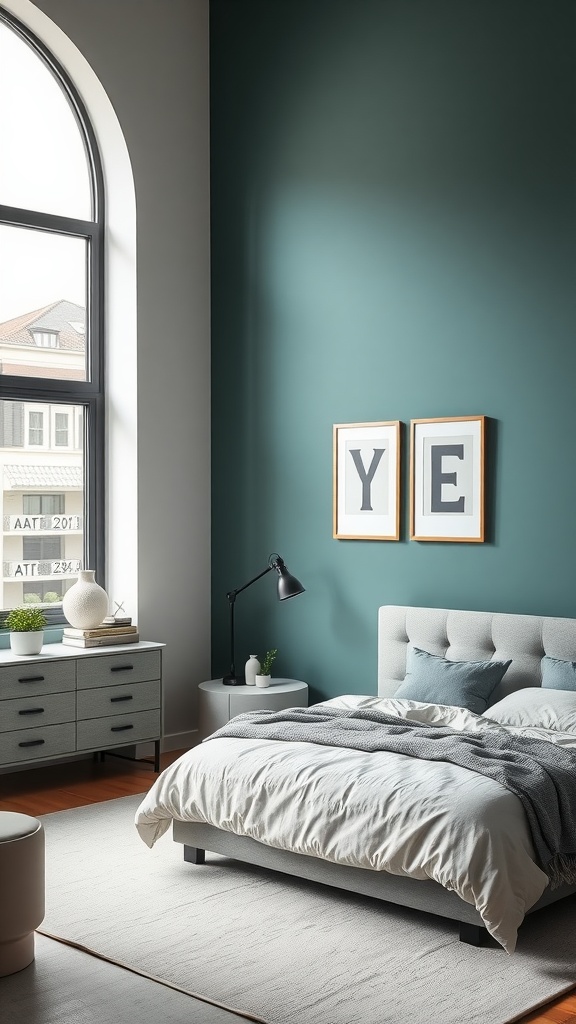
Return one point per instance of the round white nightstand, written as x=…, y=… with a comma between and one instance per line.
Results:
x=218, y=703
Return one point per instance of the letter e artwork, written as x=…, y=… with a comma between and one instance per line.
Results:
x=447, y=479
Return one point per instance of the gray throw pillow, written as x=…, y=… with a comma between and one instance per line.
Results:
x=558, y=675
x=461, y=684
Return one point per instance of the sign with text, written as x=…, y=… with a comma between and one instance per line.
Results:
x=25, y=571
x=42, y=524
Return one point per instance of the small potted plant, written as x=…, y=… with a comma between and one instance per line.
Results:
x=264, y=677
x=26, y=627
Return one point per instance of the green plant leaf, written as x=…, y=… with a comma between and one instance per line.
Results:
x=267, y=661
x=25, y=620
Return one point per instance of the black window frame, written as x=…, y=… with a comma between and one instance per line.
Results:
x=89, y=393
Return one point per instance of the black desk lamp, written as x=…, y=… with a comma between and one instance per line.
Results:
x=288, y=586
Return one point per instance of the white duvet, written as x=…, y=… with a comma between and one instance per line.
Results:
x=384, y=811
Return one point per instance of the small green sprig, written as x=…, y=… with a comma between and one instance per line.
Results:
x=25, y=620
x=267, y=661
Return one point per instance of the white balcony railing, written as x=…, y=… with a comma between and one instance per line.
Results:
x=42, y=524
x=23, y=571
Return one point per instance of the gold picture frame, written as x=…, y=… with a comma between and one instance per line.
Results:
x=447, y=465
x=366, y=480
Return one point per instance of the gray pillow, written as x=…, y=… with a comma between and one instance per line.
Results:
x=558, y=675
x=461, y=684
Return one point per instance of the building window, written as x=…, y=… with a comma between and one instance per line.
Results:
x=35, y=428
x=61, y=431
x=51, y=347
x=42, y=504
x=46, y=339
x=41, y=548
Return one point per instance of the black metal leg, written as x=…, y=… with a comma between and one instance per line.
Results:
x=473, y=934
x=100, y=755
x=192, y=855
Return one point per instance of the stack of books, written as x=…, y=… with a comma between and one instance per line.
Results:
x=113, y=630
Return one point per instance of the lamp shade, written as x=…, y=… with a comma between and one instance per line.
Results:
x=288, y=585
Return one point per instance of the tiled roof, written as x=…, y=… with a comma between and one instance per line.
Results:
x=19, y=478
x=58, y=316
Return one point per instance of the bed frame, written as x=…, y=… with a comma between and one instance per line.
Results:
x=458, y=636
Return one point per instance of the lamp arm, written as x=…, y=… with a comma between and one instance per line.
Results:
x=233, y=593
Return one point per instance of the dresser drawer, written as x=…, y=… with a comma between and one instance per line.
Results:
x=34, y=712
x=30, y=744
x=118, y=730
x=117, y=669
x=35, y=679
x=118, y=700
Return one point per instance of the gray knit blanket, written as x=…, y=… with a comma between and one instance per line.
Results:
x=541, y=774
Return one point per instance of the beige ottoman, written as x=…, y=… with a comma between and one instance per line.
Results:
x=21, y=888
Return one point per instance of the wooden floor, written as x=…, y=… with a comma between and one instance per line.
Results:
x=57, y=787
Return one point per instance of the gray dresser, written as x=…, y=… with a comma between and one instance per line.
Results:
x=70, y=700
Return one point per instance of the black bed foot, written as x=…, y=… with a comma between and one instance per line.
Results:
x=192, y=855
x=473, y=934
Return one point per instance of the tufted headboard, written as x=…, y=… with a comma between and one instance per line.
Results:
x=471, y=636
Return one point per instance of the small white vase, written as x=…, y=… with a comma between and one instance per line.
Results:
x=86, y=603
x=251, y=670
x=27, y=642
x=263, y=680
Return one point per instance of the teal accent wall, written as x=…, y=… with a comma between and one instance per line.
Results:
x=393, y=237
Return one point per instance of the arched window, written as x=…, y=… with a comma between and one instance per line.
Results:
x=51, y=316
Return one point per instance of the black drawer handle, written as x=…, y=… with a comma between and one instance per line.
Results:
x=31, y=711
x=120, y=728
x=117, y=700
x=31, y=743
x=31, y=679
x=122, y=668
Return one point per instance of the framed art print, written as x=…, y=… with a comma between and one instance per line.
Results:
x=447, y=479
x=366, y=481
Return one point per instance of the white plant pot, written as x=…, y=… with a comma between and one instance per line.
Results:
x=27, y=643
x=85, y=605
x=263, y=680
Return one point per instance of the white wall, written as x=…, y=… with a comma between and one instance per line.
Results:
x=151, y=58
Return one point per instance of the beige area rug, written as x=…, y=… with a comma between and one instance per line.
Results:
x=66, y=986
x=287, y=950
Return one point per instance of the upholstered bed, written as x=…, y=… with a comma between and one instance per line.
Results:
x=522, y=643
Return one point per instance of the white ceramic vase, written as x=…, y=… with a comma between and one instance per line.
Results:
x=86, y=603
x=22, y=642
x=263, y=680
x=251, y=670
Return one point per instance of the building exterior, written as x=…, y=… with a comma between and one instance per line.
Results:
x=41, y=458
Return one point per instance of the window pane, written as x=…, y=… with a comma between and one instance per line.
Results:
x=46, y=504
x=35, y=428
x=42, y=303
x=43, y=163
x=42, y=507
x=41, y=547
x=61, y=430
x=49, y=594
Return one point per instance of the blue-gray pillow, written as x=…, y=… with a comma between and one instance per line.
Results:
x=558, y=675
x=462, y=684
